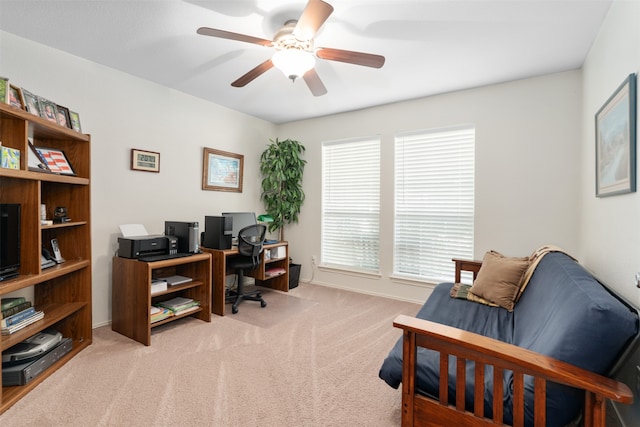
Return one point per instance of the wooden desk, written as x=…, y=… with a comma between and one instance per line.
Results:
x=219, y=272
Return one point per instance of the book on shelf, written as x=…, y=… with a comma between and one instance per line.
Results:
x=274, y=272
x=160, y=313
x=26, y=322
x=15, y=309
x=18, y=317
x=187, y=310
x=176, y=280
x=178, y=304
x=6, y=303
x=158, y=285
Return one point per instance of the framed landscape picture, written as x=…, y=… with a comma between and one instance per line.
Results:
x=222, y=171
x=616, y=141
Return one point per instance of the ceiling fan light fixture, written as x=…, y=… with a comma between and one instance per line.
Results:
x=293, y=62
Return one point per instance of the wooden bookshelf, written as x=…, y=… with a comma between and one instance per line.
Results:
x=132, y=298
x=62, y=292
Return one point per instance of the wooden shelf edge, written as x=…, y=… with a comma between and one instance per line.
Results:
x=176, y=288
x=42, y=125
x=12, y=394
x=53, y=313
x=172, y=318
x=63, y=225
x=179, y=261
x=26, y=280
x=43, y=176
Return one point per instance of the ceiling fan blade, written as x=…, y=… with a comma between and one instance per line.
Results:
x=206, y=31
x=253, y=74
x=312, y=79
x=314, y=15
x=348, y=56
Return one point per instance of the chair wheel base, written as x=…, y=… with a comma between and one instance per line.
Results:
x=263, y=304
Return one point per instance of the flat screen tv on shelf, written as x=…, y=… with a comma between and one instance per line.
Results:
x=9, y=240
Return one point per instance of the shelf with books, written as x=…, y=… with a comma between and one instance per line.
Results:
x=132, y=298
x=62, y=292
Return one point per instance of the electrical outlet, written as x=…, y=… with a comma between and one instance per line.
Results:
x=314, y=261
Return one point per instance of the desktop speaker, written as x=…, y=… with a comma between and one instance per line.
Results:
x=187, y=234
x=217, y=232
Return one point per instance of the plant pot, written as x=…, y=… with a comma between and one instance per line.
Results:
x=294, y=275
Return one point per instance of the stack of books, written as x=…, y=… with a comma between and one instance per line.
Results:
x=179, y=305
x=16, y=314
x=160, y=313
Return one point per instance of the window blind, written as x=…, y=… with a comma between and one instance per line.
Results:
x=351, y=204
x=434, y=202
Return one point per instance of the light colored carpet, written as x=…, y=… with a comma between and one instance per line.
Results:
x=310, y=358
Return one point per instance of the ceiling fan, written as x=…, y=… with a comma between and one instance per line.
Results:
x=295, y=53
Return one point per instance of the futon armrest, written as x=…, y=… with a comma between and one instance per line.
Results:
x=466, y=265
x=484, y=351
x=488, y=350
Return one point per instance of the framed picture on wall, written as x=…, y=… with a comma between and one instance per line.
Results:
x=222, y=171
x=616, y=141
x=147, y=161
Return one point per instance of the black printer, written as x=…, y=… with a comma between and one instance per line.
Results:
x=144, y=246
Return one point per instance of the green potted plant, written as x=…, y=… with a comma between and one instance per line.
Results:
x=282, y=166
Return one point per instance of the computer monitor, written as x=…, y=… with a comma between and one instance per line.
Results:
x=240, y=221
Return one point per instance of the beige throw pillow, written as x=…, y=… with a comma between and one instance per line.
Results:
x=500, y=278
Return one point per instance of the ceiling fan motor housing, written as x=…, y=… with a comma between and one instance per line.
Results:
x=285, y=39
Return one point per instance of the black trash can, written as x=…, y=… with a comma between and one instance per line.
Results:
x=294, y=275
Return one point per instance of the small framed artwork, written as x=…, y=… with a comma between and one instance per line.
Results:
x=74, y=119
x=48, y=110
x=15, y=97
x=147, y=161
x=616, y=141
x=63, y=116
x=222, y=171
x=31, y=102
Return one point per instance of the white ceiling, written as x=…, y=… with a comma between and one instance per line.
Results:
x=431, y=46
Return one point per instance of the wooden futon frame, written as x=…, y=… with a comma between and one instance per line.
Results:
x=419, y=410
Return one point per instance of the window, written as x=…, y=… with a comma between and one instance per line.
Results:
x=434, y=200
x=351, y=204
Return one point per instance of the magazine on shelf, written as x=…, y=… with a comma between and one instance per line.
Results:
x=18, y=317
x=26, y=322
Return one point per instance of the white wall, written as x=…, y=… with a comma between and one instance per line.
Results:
x=527, y=170
x=610, y=226
x=122, y=112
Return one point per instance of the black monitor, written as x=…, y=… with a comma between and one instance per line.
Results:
x=240, y=221
x=9, y=240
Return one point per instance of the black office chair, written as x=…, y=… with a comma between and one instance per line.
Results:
x=250, y=240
